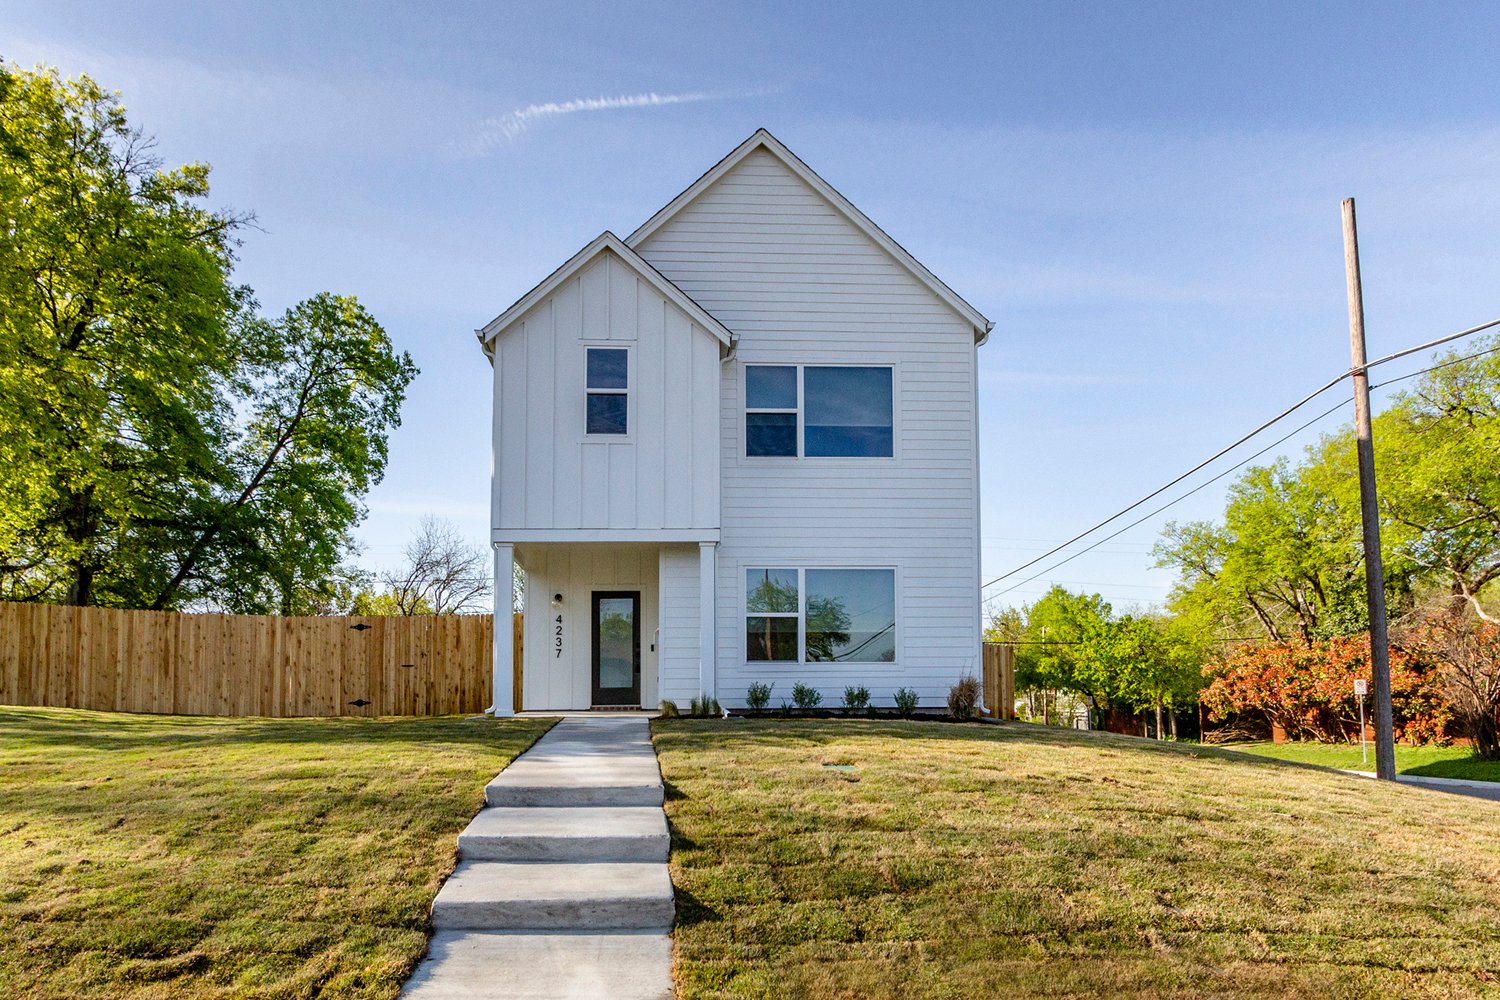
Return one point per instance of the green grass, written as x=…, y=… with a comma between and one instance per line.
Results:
x=1433, y=762
x=1024, y=861
x=148, y=856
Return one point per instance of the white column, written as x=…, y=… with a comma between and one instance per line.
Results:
x=707, y=580
x=505, y=631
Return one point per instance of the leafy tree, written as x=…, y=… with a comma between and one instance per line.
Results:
x=116, y=316
x=161, y=445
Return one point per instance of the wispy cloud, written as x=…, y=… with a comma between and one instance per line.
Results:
x=506, y=128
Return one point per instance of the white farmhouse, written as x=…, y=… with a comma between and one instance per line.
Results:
x=739, y=445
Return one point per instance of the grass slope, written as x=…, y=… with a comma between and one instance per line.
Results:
x=1016, y=860
x=1433, y=762
x=148, y=856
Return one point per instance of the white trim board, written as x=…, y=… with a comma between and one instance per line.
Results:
x=765, y=140
x=605, y=242
x=504, y=536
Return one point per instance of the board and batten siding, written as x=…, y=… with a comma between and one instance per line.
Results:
x=678, y=574
x=663, y=474
x=797, y=282
x=552, y=681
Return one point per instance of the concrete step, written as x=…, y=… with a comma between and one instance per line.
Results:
x=502, y=895
x=539, y=965
x=516, y=791
x=582, y=834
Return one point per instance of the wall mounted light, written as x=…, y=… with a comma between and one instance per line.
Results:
x=557, y=600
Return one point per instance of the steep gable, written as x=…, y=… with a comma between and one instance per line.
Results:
x=762, y=217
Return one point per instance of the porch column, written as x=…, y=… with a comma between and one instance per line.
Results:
x=505, y=631
x=707, y=580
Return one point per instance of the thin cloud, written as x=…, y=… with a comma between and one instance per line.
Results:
x=508, y=127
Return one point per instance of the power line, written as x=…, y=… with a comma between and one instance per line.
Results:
x=1206, y=483
x=1244, y=462
x=1224, y=451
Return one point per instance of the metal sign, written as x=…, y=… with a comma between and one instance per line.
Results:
x=1361, y=687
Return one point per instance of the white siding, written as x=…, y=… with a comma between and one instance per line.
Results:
x=679, y=623
x=576, y=571
x=798, y=283
x=548, y=473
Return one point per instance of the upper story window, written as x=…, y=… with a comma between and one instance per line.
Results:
x=607, y=380
x=819, y=411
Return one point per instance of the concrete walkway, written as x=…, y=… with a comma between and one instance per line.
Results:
x=1456, y=786
x=561, y=889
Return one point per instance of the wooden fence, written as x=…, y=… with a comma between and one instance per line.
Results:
x=999, y=681
x=189, y=664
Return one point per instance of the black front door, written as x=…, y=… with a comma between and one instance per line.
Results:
x=616, y=631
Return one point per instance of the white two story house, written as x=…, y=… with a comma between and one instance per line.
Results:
x=739, y=445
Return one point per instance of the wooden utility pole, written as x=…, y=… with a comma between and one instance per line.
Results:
x=1380, y=648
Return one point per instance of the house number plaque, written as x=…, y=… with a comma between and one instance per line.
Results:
x=557, y=632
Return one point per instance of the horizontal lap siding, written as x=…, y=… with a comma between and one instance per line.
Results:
x=796, y=282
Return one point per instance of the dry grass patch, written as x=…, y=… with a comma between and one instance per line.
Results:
x=149, y=856
x=965, y=861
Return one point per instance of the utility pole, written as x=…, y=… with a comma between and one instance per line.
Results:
x=1380, y=648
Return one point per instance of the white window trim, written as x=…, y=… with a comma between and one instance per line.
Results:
x=627, y=392
x=801, y=616
x=801, y=367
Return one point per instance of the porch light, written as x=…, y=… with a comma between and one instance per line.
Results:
x=557, y=600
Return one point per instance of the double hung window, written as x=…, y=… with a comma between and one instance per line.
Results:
x=819, y=411
x=607, y=383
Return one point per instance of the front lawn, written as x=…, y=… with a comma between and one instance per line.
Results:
x=151, y=856
x=1433, y=762
x=1017, y=860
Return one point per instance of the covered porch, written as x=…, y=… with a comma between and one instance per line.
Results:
x=608, y=624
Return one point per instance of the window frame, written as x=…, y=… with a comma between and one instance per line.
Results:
x=801, y=615
x=801, y=411
x=626, y=392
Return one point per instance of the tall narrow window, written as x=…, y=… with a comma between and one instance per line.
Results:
x=770, y=409
x=772, y=614
x=607, y=383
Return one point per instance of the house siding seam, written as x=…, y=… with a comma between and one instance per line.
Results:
x=798, y=283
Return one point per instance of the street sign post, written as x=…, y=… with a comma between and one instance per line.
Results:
x=1362, y=688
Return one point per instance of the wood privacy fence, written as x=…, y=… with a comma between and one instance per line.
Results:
x=999, y=681
x=191, y=664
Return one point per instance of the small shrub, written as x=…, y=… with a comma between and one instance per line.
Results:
x=806, y=697
x=963, y=697
x=856, y=699
x=786, y=708
x=703, y=705
x=668, y=709
x=906, y=702
x=759, y=695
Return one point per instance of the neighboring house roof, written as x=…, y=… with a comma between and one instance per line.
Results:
x=606, y=242
x=765, y=140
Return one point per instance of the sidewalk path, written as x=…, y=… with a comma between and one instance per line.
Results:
x=561, y=890
x=1457, y=786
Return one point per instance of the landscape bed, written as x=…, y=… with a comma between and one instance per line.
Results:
x=155, y=856
x=939, y=860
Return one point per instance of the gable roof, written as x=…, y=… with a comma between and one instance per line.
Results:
x=765, y=140
x=605, y=242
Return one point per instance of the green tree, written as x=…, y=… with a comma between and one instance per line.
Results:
x=161, y=445
x=116, y=317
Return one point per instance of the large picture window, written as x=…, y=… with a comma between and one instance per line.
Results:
x=819, y=411
x=607, y=382
x=820, y=615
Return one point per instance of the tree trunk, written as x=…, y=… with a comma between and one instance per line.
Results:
x=1172, y=722
x=1158, y=719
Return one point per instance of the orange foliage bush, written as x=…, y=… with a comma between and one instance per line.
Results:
x=1309, y=690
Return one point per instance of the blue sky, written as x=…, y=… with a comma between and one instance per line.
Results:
x=1144, y=198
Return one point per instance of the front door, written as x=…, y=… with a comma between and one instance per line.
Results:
x=617, y=648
